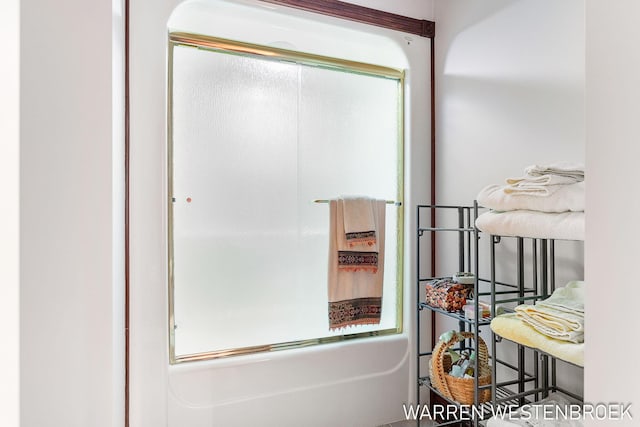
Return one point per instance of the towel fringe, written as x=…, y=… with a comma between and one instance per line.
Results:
x=356, y=269
x=357, y=311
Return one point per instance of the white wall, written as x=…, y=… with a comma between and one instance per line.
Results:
x=68, y=372
x=331, y=384
x=612, y=69
x=71, y=355
x=510, y=90
x=9, y=215
x=509, y=93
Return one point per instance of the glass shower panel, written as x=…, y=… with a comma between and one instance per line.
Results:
x=253, y=143
x=234, y=184
x=349, y=144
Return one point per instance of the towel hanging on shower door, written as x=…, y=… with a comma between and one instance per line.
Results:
x=355, y=271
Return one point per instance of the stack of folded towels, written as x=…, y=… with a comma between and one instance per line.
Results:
x=554, y=325
x=546, y=202
x=561, y=316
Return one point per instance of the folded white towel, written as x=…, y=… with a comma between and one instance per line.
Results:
x=537, y=177
x=560, y=198
x=541, y=225
x=537, y=184
x=566, y=169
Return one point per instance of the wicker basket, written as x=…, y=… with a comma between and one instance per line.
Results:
x=460, y=389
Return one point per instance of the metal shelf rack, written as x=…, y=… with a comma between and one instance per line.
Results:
x=533, y=375
x=463, y=229
x=541, y=258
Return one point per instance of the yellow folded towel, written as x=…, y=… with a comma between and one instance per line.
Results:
x=514, y=329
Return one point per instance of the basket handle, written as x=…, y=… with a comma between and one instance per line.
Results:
x=437, y=359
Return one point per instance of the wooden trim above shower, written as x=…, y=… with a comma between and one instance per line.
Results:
x=362, y=14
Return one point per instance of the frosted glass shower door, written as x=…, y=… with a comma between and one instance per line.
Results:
x=253, y=143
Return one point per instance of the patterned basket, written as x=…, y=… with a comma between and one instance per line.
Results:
x=446, y=294
x=460, y=389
